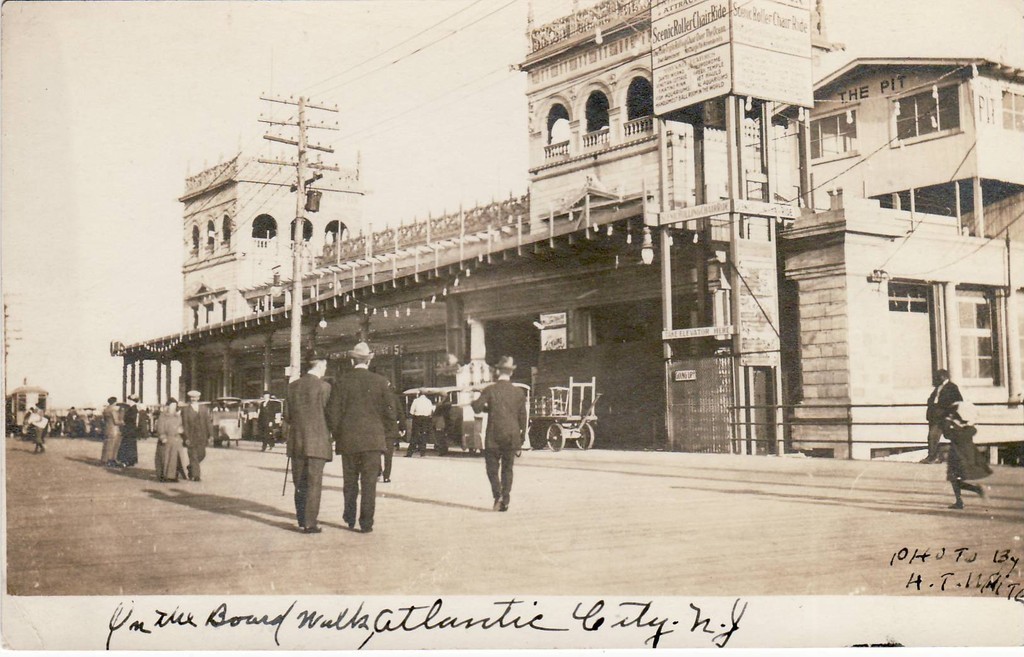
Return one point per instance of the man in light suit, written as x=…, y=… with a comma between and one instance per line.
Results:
x=309, y=442
x=505, y=405
x=360, y=412
x=196, y=423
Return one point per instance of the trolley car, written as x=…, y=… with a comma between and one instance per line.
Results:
x=19, y=401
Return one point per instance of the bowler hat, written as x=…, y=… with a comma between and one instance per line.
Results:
x=311, y=357
x=361, y=351
x=505, y=364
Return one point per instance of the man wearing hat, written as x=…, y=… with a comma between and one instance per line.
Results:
x=360, y=412
x=265, y=422
x=196, y=424
x=112, y=421
x=309, y=443
x=505, y=405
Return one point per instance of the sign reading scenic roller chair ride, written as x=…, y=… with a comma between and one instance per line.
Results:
x=703, y=49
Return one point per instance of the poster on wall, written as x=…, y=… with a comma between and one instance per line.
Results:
x=553, y=339
x=550, y=320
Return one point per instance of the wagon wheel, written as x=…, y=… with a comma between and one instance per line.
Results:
x=556, y=437
x=586, y=438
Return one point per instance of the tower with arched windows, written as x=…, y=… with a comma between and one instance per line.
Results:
x=239, y=218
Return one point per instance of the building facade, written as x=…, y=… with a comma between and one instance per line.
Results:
x=761, y=334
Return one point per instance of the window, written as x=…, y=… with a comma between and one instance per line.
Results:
x=307, y=230
x=209, y=313
x=834, y=135
x=639, y=99
x=1013, y=111
x=225, y=230
x=908, y=298
x=558, y=124
x=195, y=239
x=264, y=227
x=334, y=232
x=978, y=354
x=928, y=112
x=223, y=311
x=195, y=317
x=211, y=235
x=597, y=112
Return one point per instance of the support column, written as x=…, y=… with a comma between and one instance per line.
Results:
x=979, y=208
x=952, y=322
x=167, y=380
x=142, y=380
x=734, y=148
x=225, y=385
x=133, y=376
x=454, y=333
x=478, y=352
x=193, y=366
x=1013, y=356
x=159, y=380
x=804, y=144
x=124, y=378
x=267, y=353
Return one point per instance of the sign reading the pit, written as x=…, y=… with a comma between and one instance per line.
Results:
x=703, y=49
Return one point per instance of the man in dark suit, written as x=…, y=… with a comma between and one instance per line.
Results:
x=265, y=422
x=360, y=412
x=505, y=405
x=196, y=425
x=394, y=432
x=940, y=404
x=309, y=442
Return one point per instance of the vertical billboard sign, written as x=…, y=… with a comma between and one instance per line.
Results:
x=704, y=49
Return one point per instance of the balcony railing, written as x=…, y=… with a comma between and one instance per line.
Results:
x=262, y=243
x=585, y=20
x=513, y=212
x=596, y=138
x=561, y=149
x=641, y=126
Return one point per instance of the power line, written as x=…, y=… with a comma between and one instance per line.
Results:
x=401, y=43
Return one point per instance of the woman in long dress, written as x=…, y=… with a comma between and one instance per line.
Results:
x=169, y=430
x=965, y=461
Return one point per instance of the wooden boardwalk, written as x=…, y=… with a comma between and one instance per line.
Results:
x=615, y=523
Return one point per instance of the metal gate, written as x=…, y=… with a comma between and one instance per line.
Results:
x=699, y=394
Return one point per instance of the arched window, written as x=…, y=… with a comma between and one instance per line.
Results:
x=211, y=235
x=225, y=230
x=558, y=124
x=195, y=238
x=307, y=229
x=264, y=227
x=334, y=232
x=639, y=99
x=597, y=112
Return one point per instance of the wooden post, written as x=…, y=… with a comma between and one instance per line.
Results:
x=159, y=382
x=167, y=381
x=142, y=379
x=133, y=376
x=124, y=378
x=267, y=354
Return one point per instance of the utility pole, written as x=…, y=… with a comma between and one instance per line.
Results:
x=10, y=335
x=301, y=165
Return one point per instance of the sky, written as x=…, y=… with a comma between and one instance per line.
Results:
x=107, y=106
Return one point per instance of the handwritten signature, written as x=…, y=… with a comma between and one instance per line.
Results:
x=963, y=570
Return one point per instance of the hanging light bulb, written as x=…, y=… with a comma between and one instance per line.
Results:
x=469, y=272
x=433, y=298
x=896, y=108
x=696, y=237
x=647, y=247
x=629, y=237
x=671, y=240
x=357, y=305
x=598, y=37
x=935, y=122
x=374, y=311
x=408, y=311
x=849, y=116
x=423, y=304
x=385, y=312
x=749, y=104
x=800, y=114
x=935, y=91
x=444, y=291
x=322, y=323
x=456, y=283
x=610, y=230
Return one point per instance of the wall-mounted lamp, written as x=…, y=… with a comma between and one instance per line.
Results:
x=647, y=247
x=879, y=277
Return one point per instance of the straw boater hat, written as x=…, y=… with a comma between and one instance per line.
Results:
x=361, y=352
x=505, y=364
x=193, y=394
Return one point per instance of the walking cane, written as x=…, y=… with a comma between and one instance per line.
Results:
x=287, y=465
